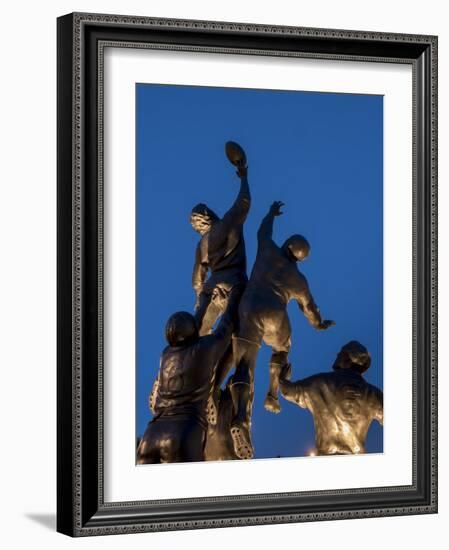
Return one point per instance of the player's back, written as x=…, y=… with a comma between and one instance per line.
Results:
x=274, y=273
x=226, y=248
x=343, y=405
x=184, y=380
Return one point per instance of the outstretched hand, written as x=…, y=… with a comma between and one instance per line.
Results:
x=275, y=208
x=325, y=325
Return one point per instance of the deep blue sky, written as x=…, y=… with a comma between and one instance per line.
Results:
x=321, y=154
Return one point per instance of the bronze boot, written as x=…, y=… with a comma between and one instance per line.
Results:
x=241, y=424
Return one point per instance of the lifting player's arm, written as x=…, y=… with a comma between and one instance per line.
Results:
x=238, y=212
x=308, y=306
x=292, y=391
x=200, y=270
x=153, y=395
x=218, y=342
x=265, y=233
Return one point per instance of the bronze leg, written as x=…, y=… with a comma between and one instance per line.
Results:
x=278, y=360
x=242, y=393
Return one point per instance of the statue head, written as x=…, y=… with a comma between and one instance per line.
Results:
x=353, y=356
x=181, y=329
x=202, y=217
x=297, y=248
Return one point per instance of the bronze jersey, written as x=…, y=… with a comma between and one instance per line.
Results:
x=343, y=406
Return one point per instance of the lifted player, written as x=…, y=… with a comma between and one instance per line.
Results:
x=221, y=250
x=275, y=280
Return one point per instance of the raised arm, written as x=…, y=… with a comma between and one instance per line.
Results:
x=308, y=306
x=200, y=268
x=292, y=391
x=265, y=233
x=238, y=212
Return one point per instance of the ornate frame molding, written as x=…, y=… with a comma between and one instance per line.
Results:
x=81, y=42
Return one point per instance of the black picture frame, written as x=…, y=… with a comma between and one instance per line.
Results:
x=81, y=509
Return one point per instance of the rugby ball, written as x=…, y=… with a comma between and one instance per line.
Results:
x=235, y=153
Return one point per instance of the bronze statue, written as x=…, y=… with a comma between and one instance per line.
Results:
x=342, y=403
x=221, y=250
x=274, y=281
x=177, y=431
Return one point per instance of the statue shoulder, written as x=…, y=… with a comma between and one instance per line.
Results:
x=376, y=393
x=316, y=380
x=301, y=280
